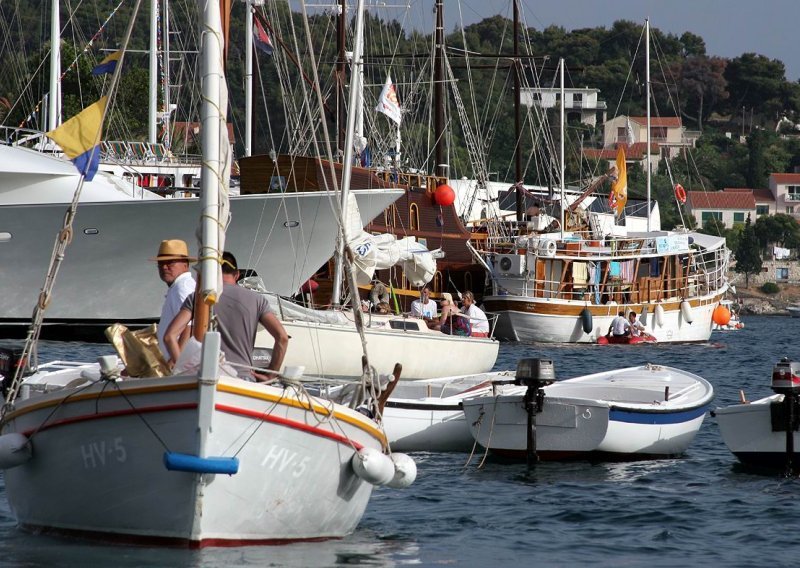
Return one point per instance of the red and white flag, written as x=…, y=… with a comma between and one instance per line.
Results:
x=387, y=102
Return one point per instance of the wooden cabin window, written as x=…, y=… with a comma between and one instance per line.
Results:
x=413, y=216
x=468, y=281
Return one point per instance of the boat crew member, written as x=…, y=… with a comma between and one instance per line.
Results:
x=451, y=321
x=539, y=222
x=424, y=307
x=635, y=325
x=173, y=268
x=237, y=314
x=620, y=327
x=478, y=319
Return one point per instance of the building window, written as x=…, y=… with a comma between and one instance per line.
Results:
x=622, y=135
x=738, y=219
x=790, y=209
x=706, y=216
x=762, y=210
x=793, y=193
x=781, y=274
x=413, y=214
x=658, y=133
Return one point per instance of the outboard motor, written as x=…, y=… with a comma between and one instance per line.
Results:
x=10, y=359
x=534, y=374
x=786, y=381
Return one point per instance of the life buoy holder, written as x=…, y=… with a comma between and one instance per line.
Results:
x=680, y=193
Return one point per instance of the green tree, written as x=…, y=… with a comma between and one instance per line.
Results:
x=748, y=257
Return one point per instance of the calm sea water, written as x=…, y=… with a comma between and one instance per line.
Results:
x=700, y=509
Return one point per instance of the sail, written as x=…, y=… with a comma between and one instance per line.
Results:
x=619, y=188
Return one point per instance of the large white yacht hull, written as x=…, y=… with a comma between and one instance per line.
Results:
x=284, y=237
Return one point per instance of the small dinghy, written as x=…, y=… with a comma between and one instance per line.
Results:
x=626, y=339
x=764, y=432
x=642, y=412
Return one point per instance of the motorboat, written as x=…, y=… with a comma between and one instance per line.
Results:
x=793, y=310
x=643, y=412
x=626, y=339
x=764, y=432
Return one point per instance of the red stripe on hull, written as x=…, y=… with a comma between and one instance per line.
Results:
x=289, y=424
x=114, y=414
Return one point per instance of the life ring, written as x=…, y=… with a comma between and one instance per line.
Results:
x=680, y=193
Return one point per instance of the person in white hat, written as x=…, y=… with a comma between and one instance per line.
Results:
x=173, y=268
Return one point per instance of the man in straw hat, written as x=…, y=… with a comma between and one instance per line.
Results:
x=173, y=268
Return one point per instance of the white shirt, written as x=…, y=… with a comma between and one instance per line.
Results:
x=427, y=310
x=181, y=287
x=478, y=319
x=619, y=325
x=637, y=327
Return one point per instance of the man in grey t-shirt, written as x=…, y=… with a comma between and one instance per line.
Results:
x=238, y=313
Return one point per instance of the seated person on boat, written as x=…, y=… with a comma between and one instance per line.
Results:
x=424, y=307
x=477, y=319
x=620, y=327
x=637, y=327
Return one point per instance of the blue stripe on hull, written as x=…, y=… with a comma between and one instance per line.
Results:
x=642, y=417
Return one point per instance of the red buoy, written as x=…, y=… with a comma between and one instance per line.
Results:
x=444, y=195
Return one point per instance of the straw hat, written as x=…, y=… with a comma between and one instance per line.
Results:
x=447, y=296
x=173, y=249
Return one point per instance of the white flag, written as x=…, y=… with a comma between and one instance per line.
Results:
x=387, y=103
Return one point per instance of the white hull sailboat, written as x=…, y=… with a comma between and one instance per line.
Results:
x=106, y=440
x=635, y=413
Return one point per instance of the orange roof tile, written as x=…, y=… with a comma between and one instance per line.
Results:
x=668, y=121
x=785, y=178
x=760, y=195
x=721, y=200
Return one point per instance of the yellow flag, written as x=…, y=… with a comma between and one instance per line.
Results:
x=79, y=137
x=619, y=188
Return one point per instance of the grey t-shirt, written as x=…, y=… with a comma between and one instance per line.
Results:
x=238, y=313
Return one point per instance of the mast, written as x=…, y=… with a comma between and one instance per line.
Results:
x=440, y=167
x=248, y=79
x=517, y=126
x=347, y=167
x=153, y=90
x=340, y=78
x=167, y=114
x=563, y=129
x=54, y=102
x=647, y=90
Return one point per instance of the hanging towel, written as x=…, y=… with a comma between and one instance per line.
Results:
x=615, y=270
x=580, y=274
x=626, y=270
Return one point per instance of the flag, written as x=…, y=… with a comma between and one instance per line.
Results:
x=629, y=129
x=387, y=102
x=261, y=38
x=619, y=187
x=79, y=137
x=109, y=64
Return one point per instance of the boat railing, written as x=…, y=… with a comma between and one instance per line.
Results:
x=633, y=280
x=25, y=137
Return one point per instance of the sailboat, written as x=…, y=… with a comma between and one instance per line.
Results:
x=565, y=283
x=198, y=459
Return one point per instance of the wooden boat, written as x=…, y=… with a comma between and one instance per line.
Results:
x=635, y=413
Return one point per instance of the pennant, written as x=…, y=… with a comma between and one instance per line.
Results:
x=79, y=137
x=387, y=102
x=619, y=187
x=109, y=64
x=261, y=39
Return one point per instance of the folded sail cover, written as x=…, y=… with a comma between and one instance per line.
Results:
x=79, y=137
x=378, y=252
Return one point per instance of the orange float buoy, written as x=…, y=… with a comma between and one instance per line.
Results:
x=444, y=195
x=680, y=193
x=721, y=315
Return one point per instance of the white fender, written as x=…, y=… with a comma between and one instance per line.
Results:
x=686, y=311
x=405, y=471
x=659, y=314
x=373, y=466
x=14, y=450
